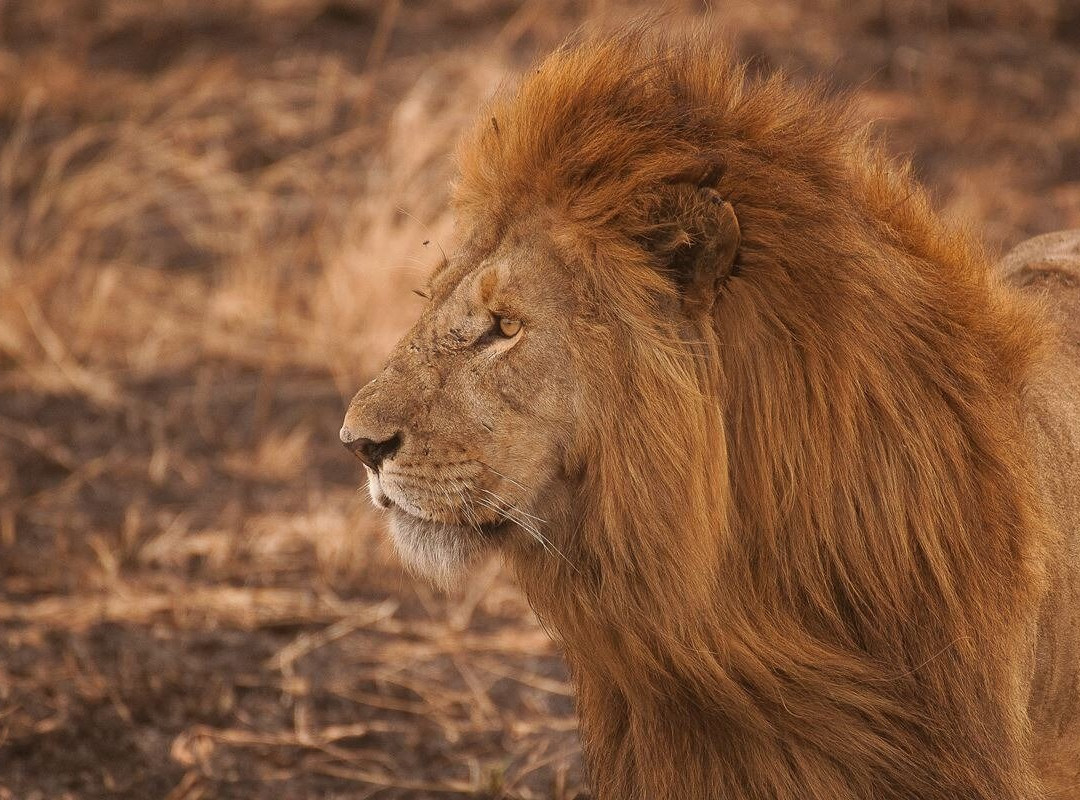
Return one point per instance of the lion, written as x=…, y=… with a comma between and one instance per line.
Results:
x=791, y=472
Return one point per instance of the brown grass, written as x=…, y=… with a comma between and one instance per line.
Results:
x=211, y=214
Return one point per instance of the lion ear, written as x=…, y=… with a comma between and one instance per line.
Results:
x=695, y=238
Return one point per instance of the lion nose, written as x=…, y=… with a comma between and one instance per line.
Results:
x=370, y=451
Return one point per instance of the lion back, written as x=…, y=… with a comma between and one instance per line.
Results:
x=1047, y=268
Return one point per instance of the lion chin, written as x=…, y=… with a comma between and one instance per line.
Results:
x=437, y=551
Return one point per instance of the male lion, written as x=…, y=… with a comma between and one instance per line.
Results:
x=791, y=473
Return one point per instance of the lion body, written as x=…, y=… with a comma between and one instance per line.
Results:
x=817, y=536
x=829, y=586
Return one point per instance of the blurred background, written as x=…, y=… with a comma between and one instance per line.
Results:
x=211, y=215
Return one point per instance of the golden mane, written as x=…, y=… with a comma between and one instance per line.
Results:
x=807, y=557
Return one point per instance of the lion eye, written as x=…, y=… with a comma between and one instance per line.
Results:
x=509, y=327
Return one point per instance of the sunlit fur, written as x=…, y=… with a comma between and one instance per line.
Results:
x=808, y=547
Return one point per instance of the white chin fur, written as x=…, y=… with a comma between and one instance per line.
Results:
x=440, y=553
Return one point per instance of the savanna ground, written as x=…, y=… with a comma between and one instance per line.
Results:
x=211, y=215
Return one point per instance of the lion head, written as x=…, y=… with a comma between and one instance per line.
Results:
x=467, y=432
x=745, y=417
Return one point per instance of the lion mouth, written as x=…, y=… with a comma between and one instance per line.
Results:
x=382, y=501
x=418, y=519
x=489, y=529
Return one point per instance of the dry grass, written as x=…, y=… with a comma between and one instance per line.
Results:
x=211, y=214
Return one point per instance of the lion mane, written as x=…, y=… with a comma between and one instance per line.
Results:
x=810, y=548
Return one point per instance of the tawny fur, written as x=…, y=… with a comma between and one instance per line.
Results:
x=817, y=545
x=817, y=536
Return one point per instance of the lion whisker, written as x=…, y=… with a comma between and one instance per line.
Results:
x=520, y=510
x=509, y=510
x=468, y=510
x=542, y=540
x=518, y=484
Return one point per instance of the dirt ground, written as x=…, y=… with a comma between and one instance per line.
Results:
x=211, y=215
